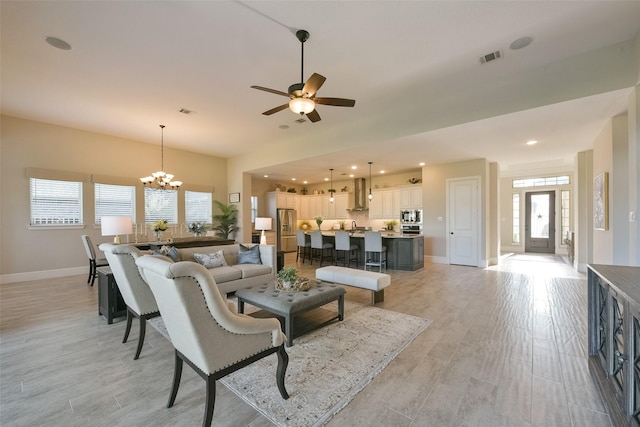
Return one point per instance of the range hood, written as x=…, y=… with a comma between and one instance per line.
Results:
x=359, y=196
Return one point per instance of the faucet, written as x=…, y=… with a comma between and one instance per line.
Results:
x=354, y=225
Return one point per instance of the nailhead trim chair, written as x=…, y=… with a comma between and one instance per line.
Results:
x=94, y=262
x=135, y=292
x=206, y=333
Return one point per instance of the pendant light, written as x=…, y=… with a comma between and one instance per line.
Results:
x=161, y=180
x=331, y=187
x=370, y=195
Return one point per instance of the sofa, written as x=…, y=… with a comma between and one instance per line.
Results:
x=233, y=275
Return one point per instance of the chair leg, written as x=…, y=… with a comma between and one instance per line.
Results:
x=128, y=328
x=177, y=374
x=210, y=401
x=143, y=329
x=283, y=362
x=92, y=271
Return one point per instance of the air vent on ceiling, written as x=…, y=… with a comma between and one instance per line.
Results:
x=491, y=57
x=300, y=120
x=185, y=111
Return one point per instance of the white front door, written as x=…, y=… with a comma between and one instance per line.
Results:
x=463, y=221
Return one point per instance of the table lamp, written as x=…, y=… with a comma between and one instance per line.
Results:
x=263, y=224
x=115, y=226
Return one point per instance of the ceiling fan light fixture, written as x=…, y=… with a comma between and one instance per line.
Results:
x=302, y=105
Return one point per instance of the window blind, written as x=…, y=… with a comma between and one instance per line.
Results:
x=55, y=202
x=114, y=200
x=198, y=207
x=160, y=204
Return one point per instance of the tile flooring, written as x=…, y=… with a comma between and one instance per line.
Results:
x=507, y=347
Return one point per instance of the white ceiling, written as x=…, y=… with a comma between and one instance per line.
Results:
x=412, y=67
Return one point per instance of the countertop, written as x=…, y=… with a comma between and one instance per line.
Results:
x=385, y=234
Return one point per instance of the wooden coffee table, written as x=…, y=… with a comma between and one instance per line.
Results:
x=288, y=304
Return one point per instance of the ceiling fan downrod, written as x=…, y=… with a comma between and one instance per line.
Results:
x=303, y=36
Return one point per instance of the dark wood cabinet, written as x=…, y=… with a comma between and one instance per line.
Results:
x=405, y=253
x=110, y=302
x=614, y=339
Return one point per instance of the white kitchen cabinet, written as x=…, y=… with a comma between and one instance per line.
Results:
x=385, y=204
x=411, y=197
x=280, y=200
x=303, y=213
x=341, y=204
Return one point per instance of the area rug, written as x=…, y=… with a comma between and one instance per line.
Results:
x=327, y=367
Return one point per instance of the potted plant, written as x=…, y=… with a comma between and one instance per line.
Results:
x=288, y=276
x=318, y=221
x=227, y=220
x=160, y=227
x=197, y=228
x=390, y=224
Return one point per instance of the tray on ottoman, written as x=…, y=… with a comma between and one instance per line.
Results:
x=289, y=305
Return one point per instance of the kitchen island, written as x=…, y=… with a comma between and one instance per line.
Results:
x=404, y=251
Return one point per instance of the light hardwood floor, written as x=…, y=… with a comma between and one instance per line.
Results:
x=507, y=347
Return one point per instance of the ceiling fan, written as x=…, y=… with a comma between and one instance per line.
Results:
x=303, y=95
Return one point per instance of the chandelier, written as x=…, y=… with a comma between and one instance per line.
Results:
x=161, y=180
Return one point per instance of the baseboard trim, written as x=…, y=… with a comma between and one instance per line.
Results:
x=436, y=259
x=43, y=274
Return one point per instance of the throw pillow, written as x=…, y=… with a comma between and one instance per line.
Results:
x=249, y=255
x=211, y=260
x=168, y=251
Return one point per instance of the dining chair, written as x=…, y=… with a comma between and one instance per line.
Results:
x=320, y=249
x=134, y=289
x=206, y=333
x=345, y=248
x=94, y=262
x=375, y=254
x=304, y=245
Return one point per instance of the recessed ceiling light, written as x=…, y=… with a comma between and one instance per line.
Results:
x=266, y=176
x=305, y=182
x=326, y=179
x=421, y=164
x=521, y=42
x=293, y=179
x=381, y=171
x=57, y=43
x=354, y=167
x=532, y=142
x=351, y=175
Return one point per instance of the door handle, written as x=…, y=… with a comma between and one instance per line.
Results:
x=452, y=233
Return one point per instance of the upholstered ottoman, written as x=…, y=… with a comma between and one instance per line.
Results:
x=375, y=282
x=290, y=304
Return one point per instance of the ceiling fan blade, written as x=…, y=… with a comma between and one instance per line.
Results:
x=314, y=116
x=313, y=84
x=337, y=102
x=276, y=109
x=266, y=89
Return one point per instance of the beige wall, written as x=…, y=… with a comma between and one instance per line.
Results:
x=603, y=163
x=28, y=144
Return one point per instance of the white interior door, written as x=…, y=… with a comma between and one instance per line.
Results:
x=463, y=221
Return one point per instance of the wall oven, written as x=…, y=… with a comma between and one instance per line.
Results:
x=411, y=229
x=411, y=216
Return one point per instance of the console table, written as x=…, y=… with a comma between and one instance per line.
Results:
x=614, y=339
x=110, y=302
x=185, y=242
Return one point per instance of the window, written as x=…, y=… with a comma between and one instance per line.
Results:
x=254, y=209
x=566, y=214
x=516, y=218
x=55, y=202
x=541, y=182
x=114, y=200
x=160, y=204
x=198, y=207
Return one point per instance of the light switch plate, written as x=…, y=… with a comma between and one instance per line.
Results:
x=632, y=216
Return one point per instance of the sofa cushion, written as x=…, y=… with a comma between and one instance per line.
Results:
x=211, y=260
x=253, y=270
x=168, y=251
x=249, y=255
x=225, y=274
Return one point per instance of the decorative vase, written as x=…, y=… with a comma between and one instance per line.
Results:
x=159, y=235
x=197, y=235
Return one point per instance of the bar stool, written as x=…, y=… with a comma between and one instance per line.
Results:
x=345, y=248
x=374, y=253
x=319, y=248
x=304, y=245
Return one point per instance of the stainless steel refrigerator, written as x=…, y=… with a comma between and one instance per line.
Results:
x=286, y=237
